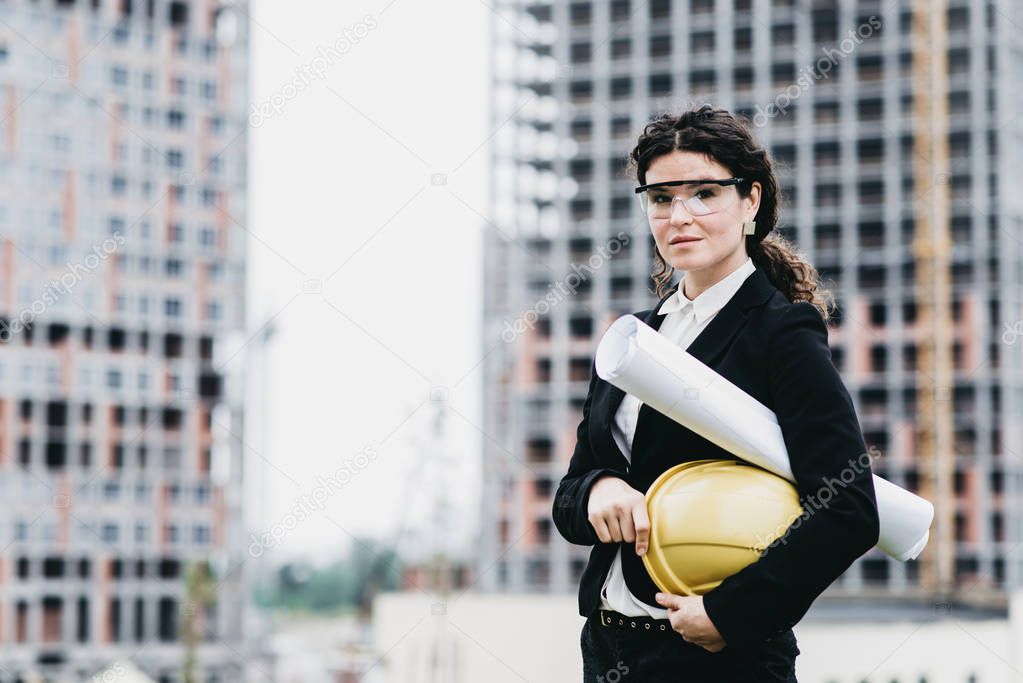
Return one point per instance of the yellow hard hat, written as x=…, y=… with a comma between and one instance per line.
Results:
x=711, y=518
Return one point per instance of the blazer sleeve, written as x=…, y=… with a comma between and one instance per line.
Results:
x=832, y=470
x=573, y=494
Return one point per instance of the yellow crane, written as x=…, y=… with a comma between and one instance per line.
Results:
x=932, y=256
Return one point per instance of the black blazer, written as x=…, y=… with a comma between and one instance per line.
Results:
x=776, y=351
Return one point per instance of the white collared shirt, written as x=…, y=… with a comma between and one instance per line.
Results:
x=685, y=320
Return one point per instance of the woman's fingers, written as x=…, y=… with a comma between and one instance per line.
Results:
x=677, y=620
x=618, y=513
x=598, y=524
x=625, y=522
x=614, y=528
x=641, y=524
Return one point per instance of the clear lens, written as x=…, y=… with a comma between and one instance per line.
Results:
x=699, y=200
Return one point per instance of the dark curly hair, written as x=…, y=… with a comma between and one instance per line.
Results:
x=728, y=140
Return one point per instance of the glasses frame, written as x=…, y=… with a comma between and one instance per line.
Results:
x=699, y=181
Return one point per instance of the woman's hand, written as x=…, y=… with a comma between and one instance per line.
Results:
x=618, y=513
x=688, y=617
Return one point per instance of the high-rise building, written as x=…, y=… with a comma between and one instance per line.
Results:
x=122, y=268
x=827, y=86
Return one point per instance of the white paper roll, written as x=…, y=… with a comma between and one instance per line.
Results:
x=637, y=359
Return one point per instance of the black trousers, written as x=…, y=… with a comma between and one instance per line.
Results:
x=613, y=655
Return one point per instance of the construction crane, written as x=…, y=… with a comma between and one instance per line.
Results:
x=932, y=256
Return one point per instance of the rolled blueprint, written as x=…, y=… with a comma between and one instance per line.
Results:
x=638, y=360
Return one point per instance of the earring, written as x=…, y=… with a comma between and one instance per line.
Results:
x=749, y=227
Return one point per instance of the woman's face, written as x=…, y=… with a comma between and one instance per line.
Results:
x=720, y=244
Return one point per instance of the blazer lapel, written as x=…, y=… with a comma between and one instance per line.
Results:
x=654, y=320
x=709, y=344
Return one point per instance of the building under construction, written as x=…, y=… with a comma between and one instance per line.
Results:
x=896, y=132
x=123, y=167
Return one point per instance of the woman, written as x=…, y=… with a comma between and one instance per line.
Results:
x=750, y=308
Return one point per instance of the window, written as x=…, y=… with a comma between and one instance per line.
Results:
x=580, y=13
x=826, y=112
x=621, y=87
x=870, y=151
x=582, y=129
x=743, y=39
x=870, y=110
x=581, y=91
x=743, y=77
x=660, y=9
x=172, y=307
x=119, y=75
x=660, y=46
x=825, y=25
x=783, y=34
x=783, y=73
x=660, y=85
x=118, y=185
x=871, y=192
x=581, y=53
x=702, y=42
x=828, y=195
x=703, y=79
x=869, y=68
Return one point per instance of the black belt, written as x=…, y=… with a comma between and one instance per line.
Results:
x=612, y=619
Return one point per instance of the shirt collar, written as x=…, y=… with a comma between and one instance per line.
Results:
x=713, y=299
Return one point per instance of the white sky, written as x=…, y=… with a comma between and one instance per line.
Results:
x=341, y=178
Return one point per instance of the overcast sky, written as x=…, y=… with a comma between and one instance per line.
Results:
x=370, y=271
